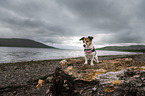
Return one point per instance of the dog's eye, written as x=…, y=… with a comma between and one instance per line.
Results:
x=87, y=41
x=83, y=41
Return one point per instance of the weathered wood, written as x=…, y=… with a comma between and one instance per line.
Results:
x=62, y=84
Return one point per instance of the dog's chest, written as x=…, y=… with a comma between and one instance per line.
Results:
x=89, y=55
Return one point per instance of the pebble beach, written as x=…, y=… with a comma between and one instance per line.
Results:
x=20, y=79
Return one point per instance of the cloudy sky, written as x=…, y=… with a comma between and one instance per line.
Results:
x=64, y=22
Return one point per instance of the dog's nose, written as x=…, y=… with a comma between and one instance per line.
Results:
x=84, y=45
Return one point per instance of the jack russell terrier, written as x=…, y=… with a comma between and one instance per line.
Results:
x=89, y=50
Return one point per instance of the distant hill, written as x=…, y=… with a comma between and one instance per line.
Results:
x=134, y=48
x=16, y=42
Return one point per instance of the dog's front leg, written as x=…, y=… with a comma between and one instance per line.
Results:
x=92, y=64
x=86, y=60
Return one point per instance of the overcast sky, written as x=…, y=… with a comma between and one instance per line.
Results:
x=64, y=22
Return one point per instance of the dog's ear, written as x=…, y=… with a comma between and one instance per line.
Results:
x=82, y=38
x=90, y=37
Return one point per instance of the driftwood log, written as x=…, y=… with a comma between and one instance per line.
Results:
x=62, y=84
x=65, y=85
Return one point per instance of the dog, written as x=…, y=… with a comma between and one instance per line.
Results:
x=89, y=50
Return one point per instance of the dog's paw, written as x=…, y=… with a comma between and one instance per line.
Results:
x=86, y=62
x=92, y=64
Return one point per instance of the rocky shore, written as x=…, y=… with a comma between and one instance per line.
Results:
x=20, y=79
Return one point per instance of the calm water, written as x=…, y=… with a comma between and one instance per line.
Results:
x=12, y=54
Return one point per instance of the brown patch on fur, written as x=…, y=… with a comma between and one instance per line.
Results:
x=87, y=41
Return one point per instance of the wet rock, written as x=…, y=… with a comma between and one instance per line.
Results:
x=142, y=74
x=101, y=71
x=73, y=72
x=130, y=84
x=109, y=88
x=15, y=92
x=63, y=63
x=89, y=77
x=117, y=82
x=136, y=76
x=49, y=78
x=142, y=68
x=128, y=59
x=133, y=84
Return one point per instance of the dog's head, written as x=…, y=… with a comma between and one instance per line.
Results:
x=87, y=40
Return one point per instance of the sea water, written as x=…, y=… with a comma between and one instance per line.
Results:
x=15, y=54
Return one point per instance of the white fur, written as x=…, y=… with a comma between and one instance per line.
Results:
x=90, y=56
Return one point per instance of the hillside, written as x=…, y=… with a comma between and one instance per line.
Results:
x=16, y=42
x=136, y=48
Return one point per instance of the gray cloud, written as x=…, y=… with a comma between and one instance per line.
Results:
x=56, y=21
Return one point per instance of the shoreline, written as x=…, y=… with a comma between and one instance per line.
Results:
x=27, y=55
x=22, y=77
x=17, y=62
